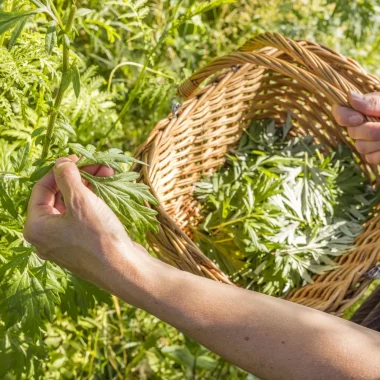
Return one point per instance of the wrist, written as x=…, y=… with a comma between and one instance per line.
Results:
x=136, y=277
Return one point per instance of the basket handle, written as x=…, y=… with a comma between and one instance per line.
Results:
x=275, y=40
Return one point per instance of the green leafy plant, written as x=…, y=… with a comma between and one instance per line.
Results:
x=31, y=289
x=281, y=209
x=89, y=345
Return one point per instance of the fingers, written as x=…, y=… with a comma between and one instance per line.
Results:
x=105, y=171
x=368, y=104
x=347, y=117
x=62, y=182
x=373, y=158
x=98, y=170
x=365, y=134
x=43, y=196
x=68, y=179
x=367, y=141
x=366, y=147
x=368, y=131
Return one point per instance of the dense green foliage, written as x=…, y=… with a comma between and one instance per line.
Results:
x=152, y=45
x=281, y=209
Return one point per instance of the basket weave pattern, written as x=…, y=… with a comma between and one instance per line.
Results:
x=268, y=77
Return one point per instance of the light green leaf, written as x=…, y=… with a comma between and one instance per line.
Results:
x=7, y=202
x=10, y=19
x=17, y=31
x=76, y=80
x=180, y=355
x=40, y=172
x=21, y=158
x=127, y=199
x=51, y=37
x=82, y=12
x=30, y=291
x=66, y=80
x=109, y=158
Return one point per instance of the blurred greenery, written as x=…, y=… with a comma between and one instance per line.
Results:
x=159, y=43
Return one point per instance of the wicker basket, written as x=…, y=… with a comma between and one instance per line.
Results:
x=268, y=77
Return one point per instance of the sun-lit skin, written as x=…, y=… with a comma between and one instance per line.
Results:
x=272, y=338
x=366, y=134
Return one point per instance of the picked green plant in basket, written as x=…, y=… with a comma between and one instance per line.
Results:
x=281, y=209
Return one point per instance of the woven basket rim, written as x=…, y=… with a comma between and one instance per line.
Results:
x=178, y=247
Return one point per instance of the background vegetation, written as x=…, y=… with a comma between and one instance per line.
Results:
x=149, y=46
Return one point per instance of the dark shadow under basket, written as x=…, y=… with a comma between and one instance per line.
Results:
x=268, y=77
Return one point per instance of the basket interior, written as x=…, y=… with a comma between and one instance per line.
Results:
x=213, y=123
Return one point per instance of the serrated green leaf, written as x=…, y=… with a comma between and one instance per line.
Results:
x=51, y=37
x=40, y=172
x=272, y=209
x=126, y=199
x=10, y=19
x=38, y=131
x=22, y=157
x=180, y=355
x=81, y=296
x=66, y=80
x=76, y=80
x=30, y=294
x=81, y=150
x=109, y=158
x=17, y=31
x=40, y=139
x=11, y=231
x=63, y=124
x=82, y=12
x=7, y=202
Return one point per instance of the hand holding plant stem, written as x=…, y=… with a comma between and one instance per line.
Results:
x=89, y=240
x=43, y=286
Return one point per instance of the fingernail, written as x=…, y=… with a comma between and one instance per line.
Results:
x=356, y=96
x=62, y=161
x=356, y=119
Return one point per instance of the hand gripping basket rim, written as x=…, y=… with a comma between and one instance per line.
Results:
x=177, y=156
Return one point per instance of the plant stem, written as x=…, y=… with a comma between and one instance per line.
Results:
x=56, y=14
x=241, y=219
x=62, y=86
x=8, y=8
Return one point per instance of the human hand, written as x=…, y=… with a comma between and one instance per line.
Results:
x=366, y=134
x=79, y=233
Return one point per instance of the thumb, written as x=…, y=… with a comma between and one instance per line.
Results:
x=68, y=179
x=368, y=104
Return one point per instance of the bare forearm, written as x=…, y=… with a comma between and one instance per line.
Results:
x=269, y=337
x=272, y=338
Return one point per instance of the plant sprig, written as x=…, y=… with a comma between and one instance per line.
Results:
x=280, y=210
x=40, y=131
